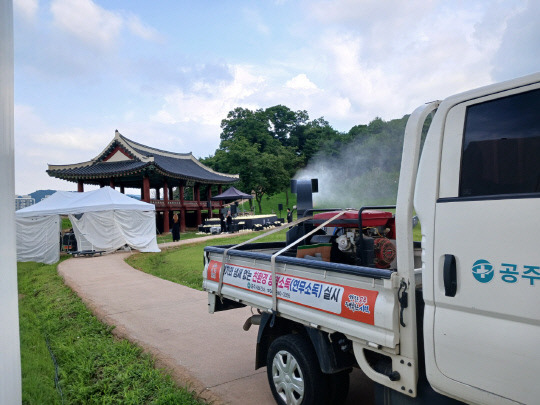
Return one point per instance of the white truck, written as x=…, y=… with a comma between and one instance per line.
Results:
x=455, y=318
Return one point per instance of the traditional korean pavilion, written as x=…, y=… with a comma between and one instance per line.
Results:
x=128, y=164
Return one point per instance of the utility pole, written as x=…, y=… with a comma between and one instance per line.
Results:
x=10, y=353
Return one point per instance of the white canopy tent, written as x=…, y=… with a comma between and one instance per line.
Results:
x=102, y=219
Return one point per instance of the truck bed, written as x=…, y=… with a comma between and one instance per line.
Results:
x=360, y=302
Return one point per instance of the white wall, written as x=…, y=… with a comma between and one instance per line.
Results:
x=10, y=358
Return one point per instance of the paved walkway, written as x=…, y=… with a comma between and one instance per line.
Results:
x=211, y=354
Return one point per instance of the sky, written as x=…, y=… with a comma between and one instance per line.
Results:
x=165, y=73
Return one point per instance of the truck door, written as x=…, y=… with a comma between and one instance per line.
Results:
x=487, y=248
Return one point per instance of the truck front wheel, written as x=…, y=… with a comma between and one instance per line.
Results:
x=294, y=373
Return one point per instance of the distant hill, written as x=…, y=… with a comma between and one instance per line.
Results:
x=41, y=194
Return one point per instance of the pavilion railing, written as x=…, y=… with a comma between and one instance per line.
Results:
x=186, y=204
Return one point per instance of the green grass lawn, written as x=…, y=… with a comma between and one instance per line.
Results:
x=417, y=233
x=66, y=223
x=184, y=264
x=94, y=367
x=167, y=237
x=269, y=205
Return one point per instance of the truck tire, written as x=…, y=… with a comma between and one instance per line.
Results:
x=294, y=374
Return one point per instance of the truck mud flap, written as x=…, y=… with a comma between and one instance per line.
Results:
x=334, y=355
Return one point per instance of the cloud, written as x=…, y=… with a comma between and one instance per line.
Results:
x=301, y=82
x=209, y=103
x=96, y=27
x=72, y=43
x=206, y=103
x=254, y=18
x=369, y=16
x=27, y=8
x=88, y=22
x=519, y=51
x=73, y=139
x=38, y=143
x=34, y=134
x=386, y=60
x=138, y=28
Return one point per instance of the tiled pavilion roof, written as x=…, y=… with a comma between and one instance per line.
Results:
x=127, y=161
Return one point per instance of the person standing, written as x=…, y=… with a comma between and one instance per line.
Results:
x=229, y=222
x=175, y=228
x=289, y=215
x=222, y=222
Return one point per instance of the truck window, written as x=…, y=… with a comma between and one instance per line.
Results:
x=501, y=147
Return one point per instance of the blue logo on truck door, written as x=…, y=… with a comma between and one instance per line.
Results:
x=482, y=271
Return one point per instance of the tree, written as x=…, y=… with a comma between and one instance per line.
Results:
x=284, y=122
x=250, y=125
x=263, y=173
x=316, y=133
x=285, y=125
x=254, y=144
x=291, y=163
x=267, y=147
x=271, y=176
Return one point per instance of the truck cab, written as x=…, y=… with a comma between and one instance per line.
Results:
x=478, y=200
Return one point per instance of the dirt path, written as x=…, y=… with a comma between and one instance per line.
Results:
x=210, y=354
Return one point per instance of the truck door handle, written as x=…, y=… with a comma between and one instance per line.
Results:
x=450, y=276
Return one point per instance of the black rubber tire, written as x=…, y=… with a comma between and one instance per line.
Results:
x=338, y=387
x=294, y=374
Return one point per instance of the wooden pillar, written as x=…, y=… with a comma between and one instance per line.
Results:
x=182, y=208
x=171, y=194
x=158, y=218
x=111, y=183
x=197, y=192
x=197, y=197
x=146, y=189
x=166, y=220
x=157, y=194
x=209, y=199
x=183, y=220
x=220, y=191
x=165, y=192
x=80, y=186
x=122, y=190
x=101, y=184
x=166, y=212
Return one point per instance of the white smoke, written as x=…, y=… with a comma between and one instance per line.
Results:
x=363, y=172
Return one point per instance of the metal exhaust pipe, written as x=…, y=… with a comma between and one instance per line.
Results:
x=252, y=320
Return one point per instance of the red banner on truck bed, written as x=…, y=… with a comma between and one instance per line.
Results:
x=348, y=302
